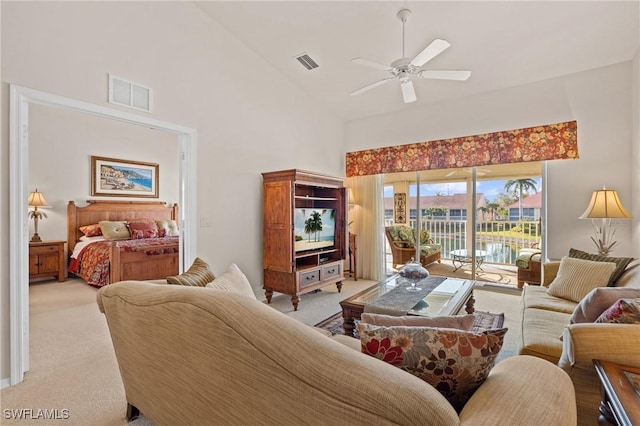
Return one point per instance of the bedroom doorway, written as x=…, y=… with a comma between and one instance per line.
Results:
x=21, y=99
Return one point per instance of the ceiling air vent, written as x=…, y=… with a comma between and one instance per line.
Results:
x=306, y=61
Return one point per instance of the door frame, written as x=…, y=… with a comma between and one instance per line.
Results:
x=19, y=100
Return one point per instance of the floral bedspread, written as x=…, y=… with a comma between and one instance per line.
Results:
x=92, y=264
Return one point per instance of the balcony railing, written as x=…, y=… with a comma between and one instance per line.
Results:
x=501, y=239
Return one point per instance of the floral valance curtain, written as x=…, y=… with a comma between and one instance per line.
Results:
x=548, y=142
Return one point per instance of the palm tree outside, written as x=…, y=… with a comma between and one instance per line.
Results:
x=520, y=186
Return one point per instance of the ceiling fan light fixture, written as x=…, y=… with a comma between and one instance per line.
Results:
x=404, y=68
x=408, y=92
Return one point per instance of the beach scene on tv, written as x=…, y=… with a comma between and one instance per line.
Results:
x=314, y=228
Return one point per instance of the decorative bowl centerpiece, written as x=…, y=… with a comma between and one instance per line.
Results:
x=414, y=272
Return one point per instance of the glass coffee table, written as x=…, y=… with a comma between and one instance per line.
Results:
x=463, y=257
x=448, y=298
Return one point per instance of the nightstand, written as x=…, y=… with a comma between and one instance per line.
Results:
x=46, y=259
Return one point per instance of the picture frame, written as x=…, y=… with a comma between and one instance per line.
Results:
x=112, y=177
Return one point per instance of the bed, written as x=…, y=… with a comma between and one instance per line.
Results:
x=101, y=261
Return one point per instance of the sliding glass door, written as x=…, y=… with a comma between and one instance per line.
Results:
x=482, y=218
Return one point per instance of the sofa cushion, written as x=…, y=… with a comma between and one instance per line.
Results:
x=455, y=362
x=598, y=300
x=623, y=311
x=541, y=331
x=621, y=262
x=461, y=322
x=198, y=274
x=537, y=297
x=631, y=276
x=233, y=280
x=577, y=277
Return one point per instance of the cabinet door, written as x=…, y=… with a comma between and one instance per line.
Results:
x=278, y=226
x=33, y=264
x=48, y=263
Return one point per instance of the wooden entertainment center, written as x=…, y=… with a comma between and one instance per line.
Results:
x=296, y=269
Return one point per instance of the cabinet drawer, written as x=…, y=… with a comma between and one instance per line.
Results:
x=43, y=249
x=330, y=271
x=309, y=277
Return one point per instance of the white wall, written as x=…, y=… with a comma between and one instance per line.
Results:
x=248, y=118
x=599, y=100
x=58, y=136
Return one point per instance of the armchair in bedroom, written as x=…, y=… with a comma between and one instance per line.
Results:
x=402, y=241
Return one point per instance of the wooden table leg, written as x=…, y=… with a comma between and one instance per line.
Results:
x=469, y=307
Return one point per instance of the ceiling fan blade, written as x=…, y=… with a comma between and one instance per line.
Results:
x=445, y=74
x=370, y=86
x=408, y=92
x=435, y=48
x=371, y=64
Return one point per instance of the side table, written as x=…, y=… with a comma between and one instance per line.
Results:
x=46, y=259
x=620, y=401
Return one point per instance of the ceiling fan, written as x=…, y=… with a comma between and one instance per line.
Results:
x=404, y=68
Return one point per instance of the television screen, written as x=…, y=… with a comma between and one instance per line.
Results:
x=314, y=228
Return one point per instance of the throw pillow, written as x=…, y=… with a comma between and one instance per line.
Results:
x=167, y=228
x=598, y=300
x=455, y=362
x=577, y=277
x=621, y=262
x=91, y=230
x=143, y=229
x=114, y=230
x=233, y=280
x=198, y=274
x=460, y=322
x=624, y=311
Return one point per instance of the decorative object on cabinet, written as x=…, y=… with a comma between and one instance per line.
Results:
x=400, y=208
x=296, y=269
x=123, y=178
x=352, y=272
x=46, y=259
x=36, y=199
x=605, y=204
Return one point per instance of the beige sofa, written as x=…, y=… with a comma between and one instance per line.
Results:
x=547, y=334
x=193, y=355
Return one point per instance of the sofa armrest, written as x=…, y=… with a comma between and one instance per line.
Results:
x=584, y=342
x=523, y=390
x=549, y=272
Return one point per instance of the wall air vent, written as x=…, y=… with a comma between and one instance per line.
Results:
x=130, y=94
x=306, y=61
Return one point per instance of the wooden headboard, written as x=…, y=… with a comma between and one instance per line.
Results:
x=98, y=210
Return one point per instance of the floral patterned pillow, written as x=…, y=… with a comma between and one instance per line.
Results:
x=455, y=362
x=91, y=230
x=624, y=311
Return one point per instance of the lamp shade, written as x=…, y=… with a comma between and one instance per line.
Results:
x=36, y=199
x=605, y=204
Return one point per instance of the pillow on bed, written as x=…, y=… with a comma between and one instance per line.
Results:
x=91, y=230
x=167, y=228
x=114, y=230
x=143, y=229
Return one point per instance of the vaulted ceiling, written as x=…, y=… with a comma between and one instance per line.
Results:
x=503, y=43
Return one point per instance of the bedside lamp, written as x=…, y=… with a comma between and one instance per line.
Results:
x=605, y=204
x=36, y=199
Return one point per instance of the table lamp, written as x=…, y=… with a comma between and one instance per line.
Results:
x=36, y=199
x=605, y=204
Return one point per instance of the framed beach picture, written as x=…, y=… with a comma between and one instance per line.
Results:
x=123, y=178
